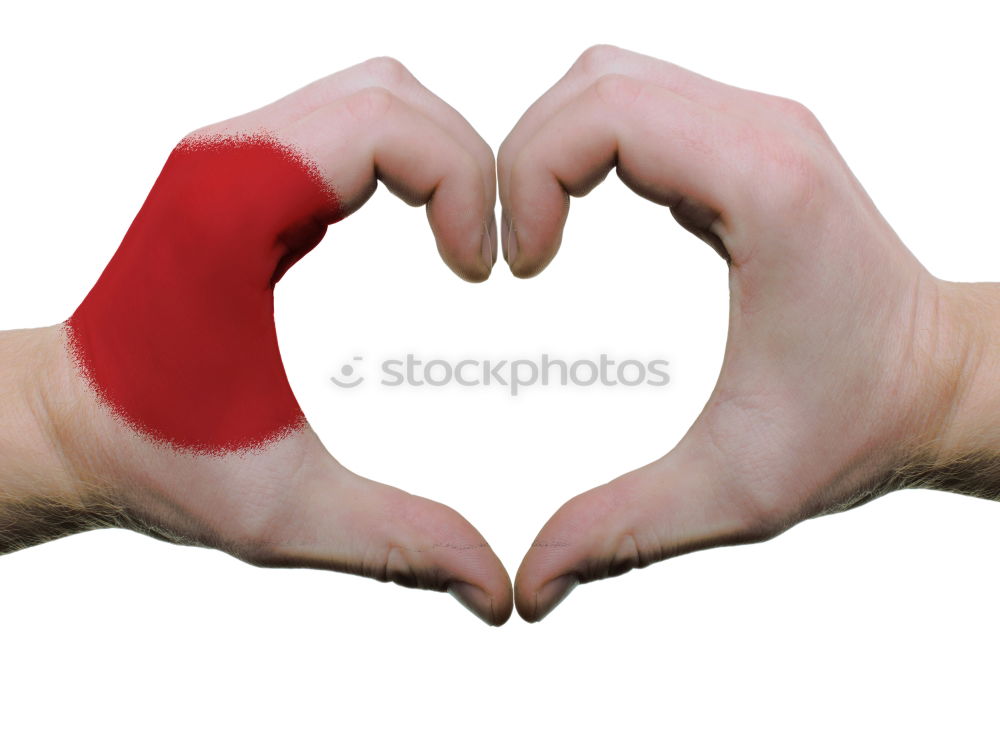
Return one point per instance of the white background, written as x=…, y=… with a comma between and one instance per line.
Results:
x=875, y=628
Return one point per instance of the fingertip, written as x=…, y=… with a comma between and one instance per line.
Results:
x=460, y=559
x=501, y=592
x=470, y=256
x=536, y=606
x=544, y=579
x=525, y=261
x=475, y=272
x=528, y=269
x=477, y=276
x=474, y=599
x=491, y=609
x=503, y=609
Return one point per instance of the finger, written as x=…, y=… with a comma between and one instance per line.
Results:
x=389, y=73
x=604, y=59
x=378, y=72
x=666, y=148
x=373, y=135
x=678, y=504
x=285, y=114
x=342, y=522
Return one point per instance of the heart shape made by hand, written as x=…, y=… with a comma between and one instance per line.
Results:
x=191, y=432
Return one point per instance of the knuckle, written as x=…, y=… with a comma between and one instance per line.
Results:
x=397, y=566
x=627, y=556
x=793, y=174
x=518, y=166
x=369, y=103
x=388, y=70
x=489, y=159
x=465, y=163
x=796, y=113
x=504, y=153
x=617, y=91
x=598, y=59
x=471, y=168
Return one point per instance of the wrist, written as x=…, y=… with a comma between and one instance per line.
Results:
x=43, y=495
x=963, y=454
x=30, y=464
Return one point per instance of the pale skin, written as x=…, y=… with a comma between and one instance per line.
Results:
x=849, y=370
x=66, y=464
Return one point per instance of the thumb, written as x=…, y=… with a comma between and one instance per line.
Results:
x=679, y=503
x=343, y=522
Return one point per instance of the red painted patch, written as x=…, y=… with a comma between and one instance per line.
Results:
x=177, y=337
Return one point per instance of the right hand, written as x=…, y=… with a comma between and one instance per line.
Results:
x=839, y=367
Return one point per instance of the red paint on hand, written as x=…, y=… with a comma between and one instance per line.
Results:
x=177, y=337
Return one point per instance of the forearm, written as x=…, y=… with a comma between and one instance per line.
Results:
x=965, y=455
x=41, y=495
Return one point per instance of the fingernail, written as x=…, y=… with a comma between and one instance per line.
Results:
x=493, y=239
x=474, y=599
x=510, y=246
x=504, y=223
x=552, y=594
x=487, y=248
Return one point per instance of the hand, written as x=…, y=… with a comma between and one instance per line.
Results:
x=846, y=360
x=164, y=397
